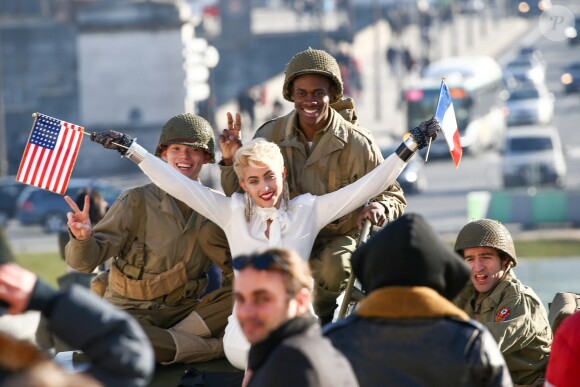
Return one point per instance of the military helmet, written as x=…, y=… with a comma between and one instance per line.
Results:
x=486, y=233
x=313, y=62
x=188, y=129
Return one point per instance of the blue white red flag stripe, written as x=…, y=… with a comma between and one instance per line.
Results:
x=446, y=116
x=50, y=154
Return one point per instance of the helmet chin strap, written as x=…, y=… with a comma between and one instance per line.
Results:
x=504, y=275
x=507, y=269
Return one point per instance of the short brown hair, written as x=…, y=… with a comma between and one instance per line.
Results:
x=295, y=270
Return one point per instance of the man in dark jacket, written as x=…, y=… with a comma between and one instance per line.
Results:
x=273, y=293
x=116, y=346
x=407, y=331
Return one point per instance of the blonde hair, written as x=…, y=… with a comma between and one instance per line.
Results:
x=256, y=154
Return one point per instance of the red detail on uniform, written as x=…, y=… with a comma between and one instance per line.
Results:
x=502, y=315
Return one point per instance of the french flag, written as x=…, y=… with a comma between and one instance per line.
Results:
x=446, y=116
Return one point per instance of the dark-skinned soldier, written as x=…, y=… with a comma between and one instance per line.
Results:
x=323, y=151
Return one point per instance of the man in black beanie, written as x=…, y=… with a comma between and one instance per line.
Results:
x=407, y=331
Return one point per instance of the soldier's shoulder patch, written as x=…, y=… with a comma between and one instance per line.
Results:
x=502, y=314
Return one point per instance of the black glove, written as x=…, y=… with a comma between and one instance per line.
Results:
x=111, y=139
x=425, y=131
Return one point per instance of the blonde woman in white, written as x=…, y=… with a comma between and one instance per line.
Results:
x=264, y=216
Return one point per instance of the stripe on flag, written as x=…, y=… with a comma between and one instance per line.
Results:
x=50, y=154
x=446, y=116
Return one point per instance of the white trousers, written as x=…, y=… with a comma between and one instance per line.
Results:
x=236, y=346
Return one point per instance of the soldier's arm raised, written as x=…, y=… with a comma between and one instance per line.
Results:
x=231, y=139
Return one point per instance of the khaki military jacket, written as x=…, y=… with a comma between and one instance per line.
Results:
x=168, y=238
x=516, y=318
x=341, y=153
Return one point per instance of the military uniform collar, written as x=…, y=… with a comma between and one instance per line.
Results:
x=490, y=300
x=331, y=138
x=496, y=293
x=168, y=204
x=339, y=130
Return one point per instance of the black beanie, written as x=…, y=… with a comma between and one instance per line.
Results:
x=408, y=252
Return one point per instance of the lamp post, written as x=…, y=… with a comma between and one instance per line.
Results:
x=199, y=57
x=378, y=61
x=3, y=148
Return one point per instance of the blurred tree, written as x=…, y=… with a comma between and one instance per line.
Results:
x=6, y=254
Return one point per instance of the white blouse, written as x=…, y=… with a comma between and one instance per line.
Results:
x=295, y=229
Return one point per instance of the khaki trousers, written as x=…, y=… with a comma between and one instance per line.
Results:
x=214, y=310
x=330, y=266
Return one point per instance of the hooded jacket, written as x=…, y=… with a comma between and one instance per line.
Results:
x=407, y=331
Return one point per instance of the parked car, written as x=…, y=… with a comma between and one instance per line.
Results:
x=470, y=6
x=413, y=179
x=529, y=105
x=531, y=51
x=571, y=78
x=525, y=68
x=533, y=156
x=10, y=189
x=41, y=207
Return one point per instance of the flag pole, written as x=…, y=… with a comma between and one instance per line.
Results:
x=35, y=115
x=431, y=139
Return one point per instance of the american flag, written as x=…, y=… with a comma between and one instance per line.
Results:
x=50, y=154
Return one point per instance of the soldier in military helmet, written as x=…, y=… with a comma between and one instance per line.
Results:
x=265, y=215
x=162, y=251
x=511, y=311
x=324, y=150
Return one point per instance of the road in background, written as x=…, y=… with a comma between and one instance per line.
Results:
x=444, y=202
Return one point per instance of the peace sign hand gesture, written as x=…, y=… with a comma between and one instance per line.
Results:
x=231, y=138
x=79, y=222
